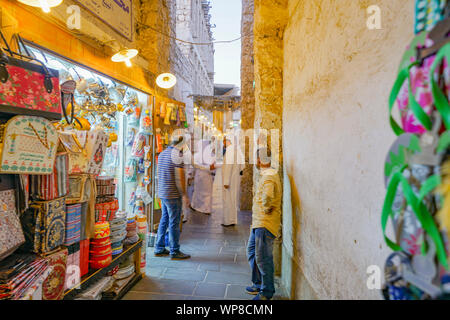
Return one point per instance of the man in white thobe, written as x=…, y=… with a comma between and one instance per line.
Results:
x=203, y=178
x=231, y=168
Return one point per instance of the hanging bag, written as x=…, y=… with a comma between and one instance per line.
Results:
x=28, y=145
x=27, y=86
x=11, y=234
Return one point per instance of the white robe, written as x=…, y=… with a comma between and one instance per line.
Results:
x=203, y=180
x=203, y=186
x=231, y=177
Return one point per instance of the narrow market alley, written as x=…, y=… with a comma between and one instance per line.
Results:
x=217, y=270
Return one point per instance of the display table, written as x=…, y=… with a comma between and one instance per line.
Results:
x=95, y=275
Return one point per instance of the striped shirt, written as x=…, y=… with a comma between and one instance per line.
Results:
x=167, y=187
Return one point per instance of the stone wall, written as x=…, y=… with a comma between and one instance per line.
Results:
x=248, y=96
x=337, y=78
x=270, y=19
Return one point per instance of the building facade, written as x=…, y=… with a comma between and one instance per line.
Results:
x=192, y=64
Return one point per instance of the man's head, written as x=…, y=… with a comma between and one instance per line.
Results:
x=264, y=158
x=176, y=141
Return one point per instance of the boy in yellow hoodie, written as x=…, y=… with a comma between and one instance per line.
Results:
x=266, y=222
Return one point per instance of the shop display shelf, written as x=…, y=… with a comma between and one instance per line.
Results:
x=95, y=275
x=127, y=288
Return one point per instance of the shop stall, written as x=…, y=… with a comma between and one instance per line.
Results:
x=78, y=155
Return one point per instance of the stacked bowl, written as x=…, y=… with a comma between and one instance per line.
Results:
x=100, y=252
x=118, y=233
x=132, y=235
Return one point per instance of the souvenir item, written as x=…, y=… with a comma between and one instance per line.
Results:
x=53, y=286
x=123, y=273
x=78, y=160
x=34, y=292
x=55, y=185
x=28, y=88
x=140, y=141
x=73, y=224
x=416, y=89
x=11, y=234
x=428, y=13
x=130, y=137
x=80, y=188
x=44, y=225
x=106, y=211
x=84, y=257
x=163, y=110
x=131, y=171
x=28, y=145
x=16, y=286
x=95, y=141
x=73, y=277
x=168, y=114
x=173, y=111
x=100, y=262
x=102, y=230
x=146, y=124
x=159, y=146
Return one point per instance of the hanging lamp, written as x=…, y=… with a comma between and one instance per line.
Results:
x=45, y=5
x=125, y=55
x=166, y=80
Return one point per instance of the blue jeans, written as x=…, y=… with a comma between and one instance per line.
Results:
x=260, y=257
x=170, y=219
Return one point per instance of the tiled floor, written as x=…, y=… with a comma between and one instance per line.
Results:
x=217, y=270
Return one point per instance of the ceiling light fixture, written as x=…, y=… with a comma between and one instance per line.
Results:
x=45, y=5
x=125, y=55
x=166, y=80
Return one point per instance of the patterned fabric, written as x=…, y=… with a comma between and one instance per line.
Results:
x=268, y=195
x=428, y=13
x=44, y=225
x=55, y=185
x=11, y=234
x=421, y=88
x=73, y=224
x=25, y=89
x=53, y=286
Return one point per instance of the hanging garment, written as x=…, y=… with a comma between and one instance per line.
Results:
x=168, y=115
x=203, y=179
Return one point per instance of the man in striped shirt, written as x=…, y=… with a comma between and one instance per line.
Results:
x=171, y=190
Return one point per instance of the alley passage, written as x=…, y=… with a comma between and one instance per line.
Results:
x=218, y=268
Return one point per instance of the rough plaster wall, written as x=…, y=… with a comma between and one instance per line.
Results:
x=337, y=78
x=270, y=19
x=153, y=46
x=248, y=96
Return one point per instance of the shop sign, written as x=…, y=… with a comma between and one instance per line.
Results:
x=118, y=14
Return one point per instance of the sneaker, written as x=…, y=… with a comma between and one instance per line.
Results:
x=261, y=297
x=163, y=253
x=227, y=225
x=253, y=290
x=179, y=256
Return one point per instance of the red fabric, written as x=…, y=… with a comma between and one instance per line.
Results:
x=84, y=257
x=25, y=89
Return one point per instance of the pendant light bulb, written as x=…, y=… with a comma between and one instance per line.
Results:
x=125, y=56
x=45, y=5
x=166, y=80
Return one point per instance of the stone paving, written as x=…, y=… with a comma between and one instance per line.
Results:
x=218, y=269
